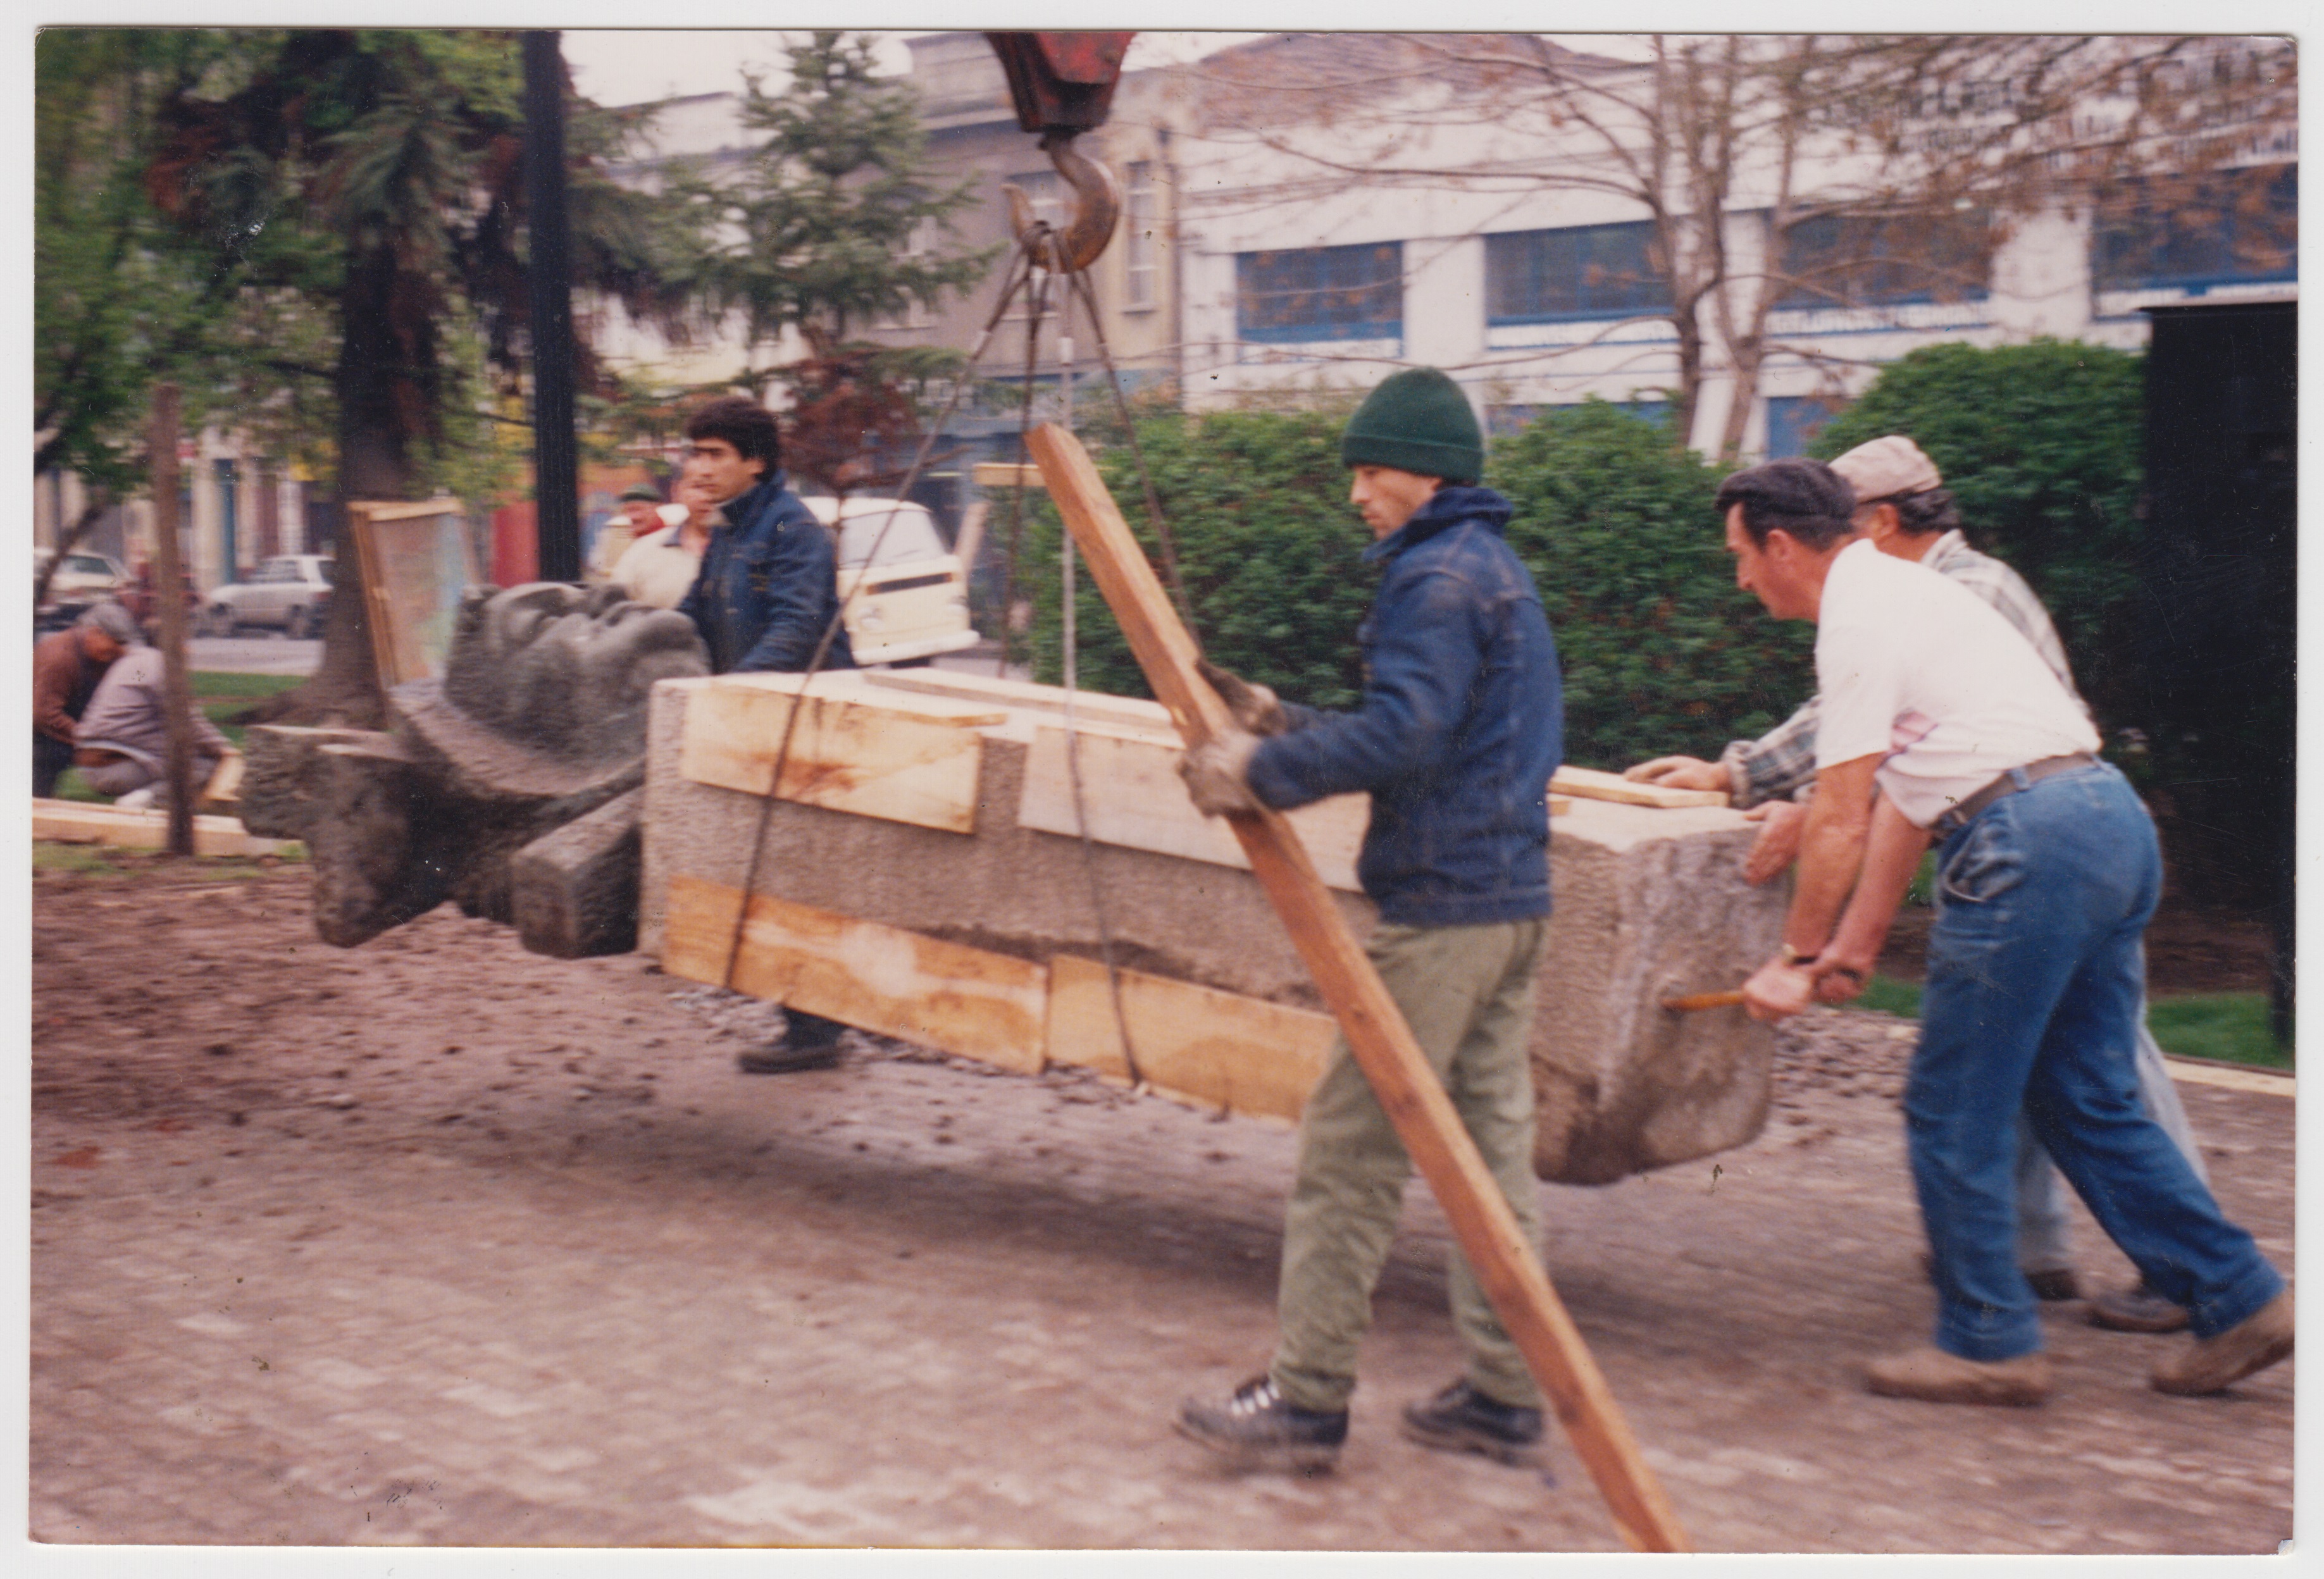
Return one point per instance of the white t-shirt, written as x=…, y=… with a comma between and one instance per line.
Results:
x=657, y=568
x=1919, y=671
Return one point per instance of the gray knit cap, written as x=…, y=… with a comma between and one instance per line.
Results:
x=112, y=620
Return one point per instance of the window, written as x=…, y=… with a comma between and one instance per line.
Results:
x=1793, y=420
x=1503, y=421
x=1320, y=293
x=1853, y=260
x=1138, y=283
x=2225, y=227
x=1586, y=272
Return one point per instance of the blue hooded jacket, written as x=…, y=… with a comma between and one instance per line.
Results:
x=1460, y=726
x=767, y=586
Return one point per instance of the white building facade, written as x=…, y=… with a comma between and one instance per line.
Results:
x=1326, y=241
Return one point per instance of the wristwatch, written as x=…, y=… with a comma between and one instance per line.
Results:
x=1794, y=957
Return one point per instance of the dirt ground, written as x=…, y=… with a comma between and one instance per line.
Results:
x=437, y=1242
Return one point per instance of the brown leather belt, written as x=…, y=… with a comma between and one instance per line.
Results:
x=2008, y=784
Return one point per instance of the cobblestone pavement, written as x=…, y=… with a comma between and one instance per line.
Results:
x=437, y=1242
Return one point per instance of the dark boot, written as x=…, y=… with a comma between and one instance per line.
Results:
x=809, y=1042
x=1257, y=1429
x=1461, y=1420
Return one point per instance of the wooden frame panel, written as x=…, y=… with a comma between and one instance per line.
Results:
x=1217, y=1050
x=916, y=762
x=980, y=1004
x=414, y=566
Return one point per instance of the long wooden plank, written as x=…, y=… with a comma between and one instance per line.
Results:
x=980, y=1004
x=1409, y=1091
x=83, y=822
x=1133, y=796
x=1133, y=712
x=1219, y=1049
x=901, y=764
x=1592, y=785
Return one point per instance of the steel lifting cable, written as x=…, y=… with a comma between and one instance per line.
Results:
x=1037, y=293
x=1081, y=283
x=1016, y=281
x=1069, y=637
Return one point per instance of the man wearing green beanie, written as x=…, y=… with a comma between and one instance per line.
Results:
x=1459, y=728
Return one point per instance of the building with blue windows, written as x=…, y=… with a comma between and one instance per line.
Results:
x=1349, y=204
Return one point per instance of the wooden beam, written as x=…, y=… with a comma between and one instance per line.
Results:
x=1134, y=798
x=1506, y=1266
x=1217, y=1050
x=913, y=760
x=84, y=822
x=1591, y=785
x=1007, y=474
x=980, y=1004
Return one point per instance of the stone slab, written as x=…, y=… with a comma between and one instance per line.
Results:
x=1650, y=903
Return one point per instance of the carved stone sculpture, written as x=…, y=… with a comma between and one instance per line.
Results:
x=509, y=787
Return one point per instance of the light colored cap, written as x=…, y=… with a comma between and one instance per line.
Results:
x=112, y=620
x=1885, y=468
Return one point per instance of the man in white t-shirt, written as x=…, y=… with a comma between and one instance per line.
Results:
x=1903, y=506
x=1940, y=717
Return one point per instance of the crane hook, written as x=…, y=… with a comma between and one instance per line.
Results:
x=1097, y=206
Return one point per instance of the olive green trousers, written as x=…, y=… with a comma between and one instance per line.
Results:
x=1467, y=992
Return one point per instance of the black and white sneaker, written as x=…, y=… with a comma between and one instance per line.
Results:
x=1257, y=1429
x=1461, y=1420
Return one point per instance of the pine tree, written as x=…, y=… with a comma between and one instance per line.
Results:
x=833, y=223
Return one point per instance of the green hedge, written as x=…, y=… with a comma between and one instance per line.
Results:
x=1268, y=546
x=2040, y=444
x=1661, y=651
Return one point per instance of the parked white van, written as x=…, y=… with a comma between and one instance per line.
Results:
x=907, y=597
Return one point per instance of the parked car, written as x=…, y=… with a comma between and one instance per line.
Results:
x=83, y=579
x=907, y=603
x=291, y=592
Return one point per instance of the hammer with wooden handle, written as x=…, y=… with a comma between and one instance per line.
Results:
x=1704, y=1000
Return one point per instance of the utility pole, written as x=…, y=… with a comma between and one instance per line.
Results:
x=168, y=587
x=549, y=269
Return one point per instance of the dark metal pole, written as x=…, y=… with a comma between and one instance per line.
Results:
x=556, y=477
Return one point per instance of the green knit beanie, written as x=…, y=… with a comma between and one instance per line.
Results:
x=1416, y=420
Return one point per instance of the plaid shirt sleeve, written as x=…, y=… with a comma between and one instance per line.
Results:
x=2005, y=590
x=1777, y=765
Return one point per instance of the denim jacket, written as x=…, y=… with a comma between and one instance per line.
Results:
x=768, y=585
x=1460, y=726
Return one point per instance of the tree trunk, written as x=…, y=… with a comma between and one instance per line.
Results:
x=374, y=463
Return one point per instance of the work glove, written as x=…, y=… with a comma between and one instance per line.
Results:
x=1214, y=773
x=1255, y=707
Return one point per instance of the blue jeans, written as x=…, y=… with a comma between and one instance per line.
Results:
x=2037, y=978
x=2044, y=1240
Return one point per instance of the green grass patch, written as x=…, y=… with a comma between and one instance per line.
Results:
x=83, y=859
x=2227, y=1027
x=2223, y=1027
x=99, y=860
x=72, y=787
x=221, y=696
x=1887, y=995
x=207, y=683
